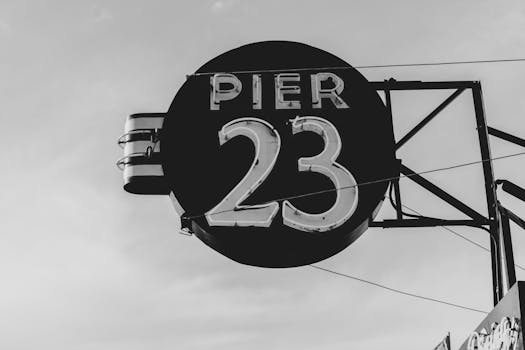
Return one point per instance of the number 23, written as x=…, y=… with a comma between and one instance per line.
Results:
x=267, y=142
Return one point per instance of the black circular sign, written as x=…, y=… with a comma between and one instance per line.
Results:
x=270, y=150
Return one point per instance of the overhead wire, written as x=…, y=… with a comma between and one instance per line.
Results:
x=399, y=65
x=412, y=294
x=419, y=215
x=398, y=291
x=461, y=236
x=504, y=60
x=314, y=193
x=408, y=293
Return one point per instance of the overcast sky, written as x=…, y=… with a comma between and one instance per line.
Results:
x=85, y=265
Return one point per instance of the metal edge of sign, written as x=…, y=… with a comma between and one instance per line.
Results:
x=216, y=245
x=509, y=309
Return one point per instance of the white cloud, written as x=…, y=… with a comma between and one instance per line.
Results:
x=222, y=5
x=104, y=15
x=4, y=27
x=101, y=14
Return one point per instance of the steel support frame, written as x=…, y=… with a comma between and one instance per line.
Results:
x=506, y=248
x=497, y=219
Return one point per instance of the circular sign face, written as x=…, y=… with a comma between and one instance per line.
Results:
x=276, y=151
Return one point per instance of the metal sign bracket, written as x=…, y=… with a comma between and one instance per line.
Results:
x=496, y=220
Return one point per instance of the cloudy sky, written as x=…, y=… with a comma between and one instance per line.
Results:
x=84, y=265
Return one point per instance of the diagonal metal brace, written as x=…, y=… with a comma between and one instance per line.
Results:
x=428, y=118
x=456, y=203
x=517, y=220
x=506, y=136
x=512, y=188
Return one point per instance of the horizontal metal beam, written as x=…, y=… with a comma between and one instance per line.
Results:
x=506, y=136
x=421, y=85
x=423, y=223
x=456, y=203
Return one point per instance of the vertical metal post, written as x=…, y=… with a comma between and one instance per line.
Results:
x=506, y=251
x=397, y=193
x=395, y=182
x=490, y=191
x=388, y=104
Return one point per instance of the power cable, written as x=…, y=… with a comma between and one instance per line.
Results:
x=444, y=63
x=420, y=64
x=398, y=290
x=462, y=236
x=310, y=194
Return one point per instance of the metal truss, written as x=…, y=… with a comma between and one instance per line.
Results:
x=496, y=220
